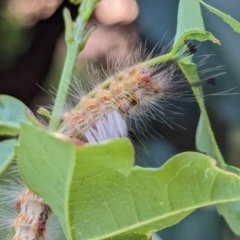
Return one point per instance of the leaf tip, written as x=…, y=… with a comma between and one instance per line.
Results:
x=215, y=40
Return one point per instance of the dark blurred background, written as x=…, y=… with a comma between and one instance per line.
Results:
x=32, y=52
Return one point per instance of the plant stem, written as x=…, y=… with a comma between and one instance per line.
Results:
x=75, y=37
x=71, y=56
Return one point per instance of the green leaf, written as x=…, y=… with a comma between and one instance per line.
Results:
x=235, y=25
x=12, y=112
x=133, y=236
x=190, y=24
x=231, y=213
x=189, y=16
x=97, y=187
x=205, y=140
x=7, y=153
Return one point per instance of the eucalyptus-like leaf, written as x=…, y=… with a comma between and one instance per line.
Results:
x=234, y=24
x=205, y=142
x=12, y=112
x=205, y=139
x=98, y=193
x=190, y=23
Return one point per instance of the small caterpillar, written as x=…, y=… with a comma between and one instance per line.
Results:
x=33, y=216
x=24, y=212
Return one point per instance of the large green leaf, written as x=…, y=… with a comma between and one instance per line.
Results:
x=6, y=153
x=98, y=193
x=235, y=25
x=12, y=112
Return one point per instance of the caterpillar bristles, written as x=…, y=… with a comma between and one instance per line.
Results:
x=131, y=93
x=24, y=215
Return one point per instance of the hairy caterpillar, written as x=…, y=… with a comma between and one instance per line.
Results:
x=24, y=215
x=132, y=93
